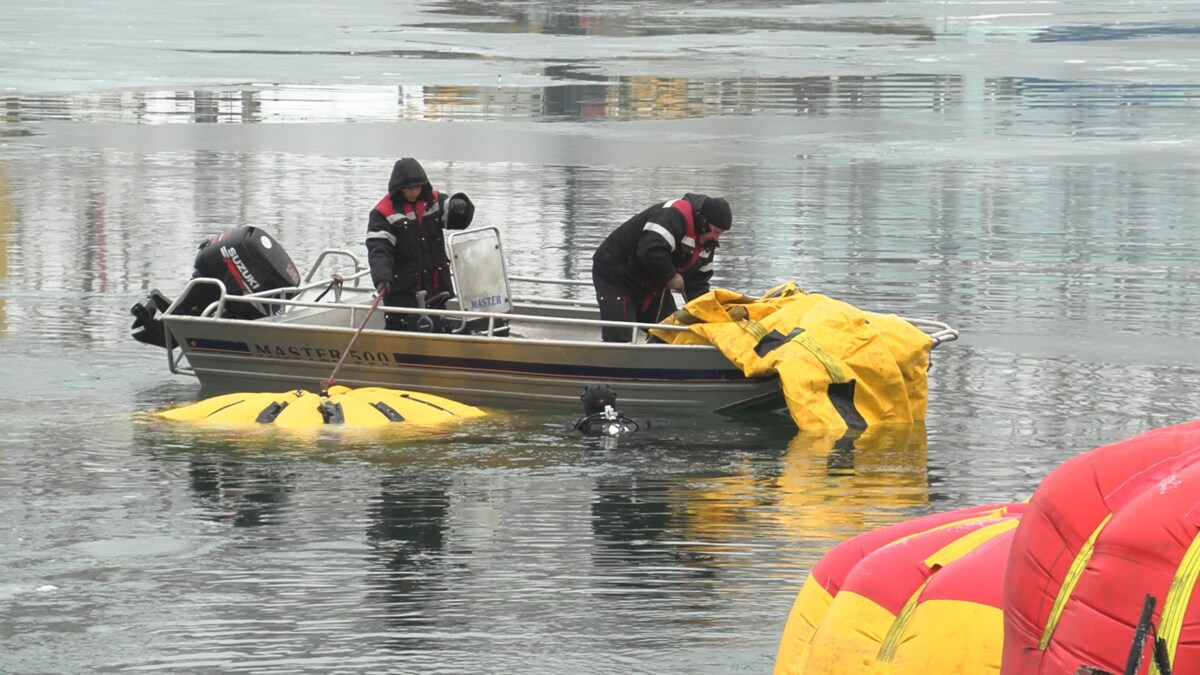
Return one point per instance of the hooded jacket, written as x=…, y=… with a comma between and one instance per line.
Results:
x=644, y=252
x=406, y=243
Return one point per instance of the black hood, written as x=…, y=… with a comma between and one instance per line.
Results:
x=408, y=172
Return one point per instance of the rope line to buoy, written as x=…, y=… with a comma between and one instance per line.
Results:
x=335, y=282
x=333, y=376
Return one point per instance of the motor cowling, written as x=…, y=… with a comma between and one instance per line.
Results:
x=245, y=259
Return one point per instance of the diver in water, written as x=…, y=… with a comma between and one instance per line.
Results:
x=600, y=417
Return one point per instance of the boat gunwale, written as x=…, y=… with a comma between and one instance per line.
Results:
x=938, y=331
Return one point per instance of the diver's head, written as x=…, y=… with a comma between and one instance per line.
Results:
x=596, y=397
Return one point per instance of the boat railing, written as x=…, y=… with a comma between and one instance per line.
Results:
x=540, y=282
x=216, y=311
x=939, y=331
x=556, y=282
x=277, y=304
x=360, y=270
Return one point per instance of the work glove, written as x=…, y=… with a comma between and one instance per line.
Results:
x=382, y=287
x=457, y=206
x=675, y=283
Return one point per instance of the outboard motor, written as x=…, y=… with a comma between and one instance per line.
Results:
x=246, y=259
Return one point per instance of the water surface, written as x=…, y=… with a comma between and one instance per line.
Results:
x=1023, y=172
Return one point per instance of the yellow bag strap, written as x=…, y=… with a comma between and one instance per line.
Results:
x=1068, y=585
x=1170, y=624
x=832, y=365
x=940, y=558
x=891, y=642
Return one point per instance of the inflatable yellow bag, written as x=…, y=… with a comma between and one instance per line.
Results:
x=839, y=367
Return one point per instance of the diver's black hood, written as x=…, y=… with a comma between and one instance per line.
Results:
x=408, y=172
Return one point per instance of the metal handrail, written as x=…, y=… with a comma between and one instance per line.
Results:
x=560, y=282
x=173, y=361
x=215, y=309
x=359, y=270
x=558, y=302
x=939, y=331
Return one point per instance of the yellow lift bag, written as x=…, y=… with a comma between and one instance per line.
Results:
x=839, y=367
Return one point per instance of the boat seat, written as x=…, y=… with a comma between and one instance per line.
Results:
x=480, y=278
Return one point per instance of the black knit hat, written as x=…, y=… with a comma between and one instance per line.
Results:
x=716, y=213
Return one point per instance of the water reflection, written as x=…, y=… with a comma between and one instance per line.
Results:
x=638, y=527
x=7, y=215
x=241, y=494
x=854, y=483
x=816, y=490
x=585, y=17
x=408, y=522
x=675, y=496
x=578, y=94
x=557, y=17
x=238, y=477
x=823, y=487
x=1093, y=33
x=407, y=534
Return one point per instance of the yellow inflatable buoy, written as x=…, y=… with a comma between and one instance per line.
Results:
x=369, y=407
x=300, y=409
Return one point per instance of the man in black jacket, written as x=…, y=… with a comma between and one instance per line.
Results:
x=406, y=245
x=666, y=247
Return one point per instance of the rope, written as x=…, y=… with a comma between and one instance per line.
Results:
x=336, y=282
x=658, y=312
x=333, y=376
